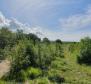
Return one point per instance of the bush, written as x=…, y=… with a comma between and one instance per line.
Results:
x=33, y=72
x=22, y=57
x=20, y=76
x=85, y=53
x=56, y=78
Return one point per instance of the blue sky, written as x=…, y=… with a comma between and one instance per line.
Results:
x=68, y=20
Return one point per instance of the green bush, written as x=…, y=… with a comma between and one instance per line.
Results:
x=33, y=72
x=85, y=53
x=56, y=78
x=21, y=76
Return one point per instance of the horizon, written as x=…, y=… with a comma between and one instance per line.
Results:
x=54, y=19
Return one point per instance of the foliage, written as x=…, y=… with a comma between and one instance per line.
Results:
x=6, y=38
x=44, y=62
x=58, y=41
x=56, y=77
x=85, y=53
x=34, y=72
x=46, y=40
x=27, y=50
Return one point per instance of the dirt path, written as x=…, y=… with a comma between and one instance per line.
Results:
x=4, y=67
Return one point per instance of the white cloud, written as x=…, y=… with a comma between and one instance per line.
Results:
x=14, y=24
x=3, y=20
x=77, y=21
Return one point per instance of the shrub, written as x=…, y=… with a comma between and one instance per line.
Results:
x=85, y=53
x=33, y=72
x=20, y=76
x=56, y=78
x=22, y=57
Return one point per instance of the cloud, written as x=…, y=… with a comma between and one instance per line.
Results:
x=77, y=21
x=39, y=31
x=3, y=20
x=14, y=24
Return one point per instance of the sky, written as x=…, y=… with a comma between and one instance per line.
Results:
x=68, y=20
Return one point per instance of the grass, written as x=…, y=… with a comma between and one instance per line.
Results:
x=76, y=74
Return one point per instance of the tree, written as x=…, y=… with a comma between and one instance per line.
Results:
x=6, y=37
x=46, y=40
x=34, y=38
x=19, y=35
x=58, y=41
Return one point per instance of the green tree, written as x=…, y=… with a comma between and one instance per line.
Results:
x=46, y=40
x=6, y=37
x=34, y=38
x=58, y=41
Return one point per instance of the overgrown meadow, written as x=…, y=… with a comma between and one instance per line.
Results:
x=36, y=61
